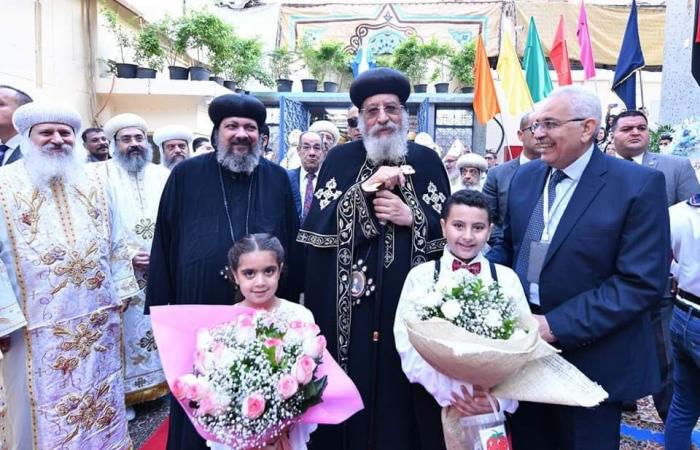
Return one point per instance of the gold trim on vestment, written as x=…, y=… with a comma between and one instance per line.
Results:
x=147, y=395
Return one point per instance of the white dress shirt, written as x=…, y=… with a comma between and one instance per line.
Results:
x=565, y=190
x=685, y=243
x=637, y=159
x=523, y=159
x=303, y=174
x=13, y=143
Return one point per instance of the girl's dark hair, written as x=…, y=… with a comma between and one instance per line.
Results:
x=255, y=242
x=467, y=197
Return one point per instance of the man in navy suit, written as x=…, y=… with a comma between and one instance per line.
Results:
x=589, y=237
x=10, y=99
x=498, y=179
x=303, y=179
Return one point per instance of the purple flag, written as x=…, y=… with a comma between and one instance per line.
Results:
x=584, y=41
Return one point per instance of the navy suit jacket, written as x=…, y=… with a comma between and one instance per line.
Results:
x=294, y=175
x=606, y=267
x=496, y=191
x=16, y=155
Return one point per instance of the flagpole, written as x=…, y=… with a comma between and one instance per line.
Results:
x=504, y=137
x=641, y=86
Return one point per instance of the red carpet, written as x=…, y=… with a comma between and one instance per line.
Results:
x=158, y=439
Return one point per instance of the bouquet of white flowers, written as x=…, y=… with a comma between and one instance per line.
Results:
x=253, y=378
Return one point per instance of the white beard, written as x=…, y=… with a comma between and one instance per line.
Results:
x=44, y=169
x=390, y=148
x=136, y=162
x=239, y=163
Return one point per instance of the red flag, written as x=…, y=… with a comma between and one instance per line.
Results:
x=697, y=21
x=560, y=55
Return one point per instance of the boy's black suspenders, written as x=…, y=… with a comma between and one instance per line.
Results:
x=436, y=271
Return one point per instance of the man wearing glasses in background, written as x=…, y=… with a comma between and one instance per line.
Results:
x=353, y=132
x=588, y=235
x=371, y=221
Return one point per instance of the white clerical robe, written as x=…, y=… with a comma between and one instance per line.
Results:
x=70, y=269
x=11, y=319
x=137, y=198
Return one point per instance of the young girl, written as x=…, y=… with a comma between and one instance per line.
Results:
x=466, y=225
x=256, y=263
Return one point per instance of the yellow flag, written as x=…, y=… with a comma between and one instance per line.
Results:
x=485, y=100
x=512, y=79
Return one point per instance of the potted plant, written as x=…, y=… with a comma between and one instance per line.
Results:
x=314, y=64
x=335, y=61
x=176, y=51
x=148, y=51
x=124, y=42
x=462, y=66
x=440, y=55
x=246, y=63
x=384, y=61
x=411, y=58
x=204, y=33
x=281, y=60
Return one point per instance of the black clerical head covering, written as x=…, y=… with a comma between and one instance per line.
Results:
x=379, y=81
x=237, y=105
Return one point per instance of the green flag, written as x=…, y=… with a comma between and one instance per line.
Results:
x=536, y=70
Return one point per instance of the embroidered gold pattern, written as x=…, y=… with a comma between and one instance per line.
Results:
x=328, y=194
x=89, y=200
x=30, y=214
x=148, y=342
x=434, y=198
x=56, y=253
x=317, y=240
x=65, y=365
x=93, y=410
x=83, y=339
x=76, y=268
x=145, y=228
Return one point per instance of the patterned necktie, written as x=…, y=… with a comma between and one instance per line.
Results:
x=535, y=227
x=308, y=195
x=3, y=149
x=474, y=268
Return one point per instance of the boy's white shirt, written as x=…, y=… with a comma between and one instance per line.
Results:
x=414, y=366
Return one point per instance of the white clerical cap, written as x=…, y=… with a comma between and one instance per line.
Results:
x=171, y=132
x=472, y=160
x=456, y=149
x=30, y=114
x=424, y=139
x=328, y=127
x=121, y=121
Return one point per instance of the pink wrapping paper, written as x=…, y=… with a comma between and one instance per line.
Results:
x=175, y=329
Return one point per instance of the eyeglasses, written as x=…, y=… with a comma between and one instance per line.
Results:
x=127, y=139
x=352, y=121
x=373, y=111
x=550, y=124
x=316, y=147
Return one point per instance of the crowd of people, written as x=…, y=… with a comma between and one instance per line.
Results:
x=601, y=250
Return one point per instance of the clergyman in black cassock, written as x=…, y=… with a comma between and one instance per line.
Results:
x=193, y=235
x=355, y=270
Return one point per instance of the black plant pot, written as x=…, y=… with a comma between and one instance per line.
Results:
x=230, y=84
x=420, y=88
x=178, y=73
x=467, y=90
x=309, y=85
x=145, y=72
x=199, y=74
x=125, y=70
x=284, y=85
x=239, y=91
x=217, y=80
x=329, y=86
x=442, y=88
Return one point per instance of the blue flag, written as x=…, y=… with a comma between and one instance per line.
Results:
x=629, y=61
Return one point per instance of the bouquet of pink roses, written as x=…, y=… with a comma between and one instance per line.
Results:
x=253, y=378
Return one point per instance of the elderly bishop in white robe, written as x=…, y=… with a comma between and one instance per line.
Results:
x=137, y=184
x=70, y=269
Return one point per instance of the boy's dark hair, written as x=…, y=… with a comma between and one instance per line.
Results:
x=89, y=131
x=628, y=113
x=22, y=97
x=466, y=197
x=666, y=137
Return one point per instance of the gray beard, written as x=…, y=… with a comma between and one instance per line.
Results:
x=171, y=163
x=44, y=170
x=239, y=163
x=391, y=148
x=136, y=162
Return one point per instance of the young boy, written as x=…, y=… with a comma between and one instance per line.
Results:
x=466, y=225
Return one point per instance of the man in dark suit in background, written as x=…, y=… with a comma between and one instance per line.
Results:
x=498, y=178
x=303, y=179
x=589, y=237
x=10, y=99
x=630, y=135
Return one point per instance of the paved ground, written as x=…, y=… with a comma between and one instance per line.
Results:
x=642, y=430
